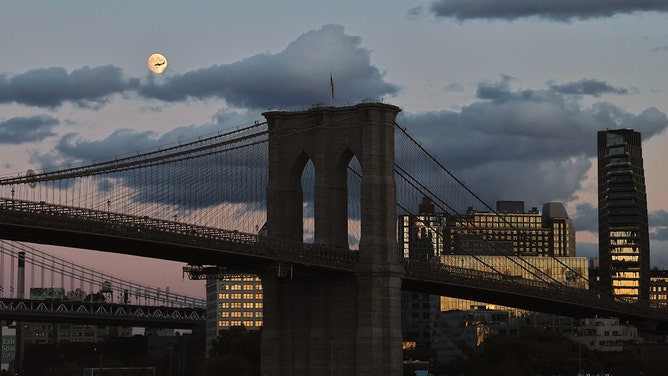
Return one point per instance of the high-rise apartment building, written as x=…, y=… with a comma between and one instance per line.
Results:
x=623, y=233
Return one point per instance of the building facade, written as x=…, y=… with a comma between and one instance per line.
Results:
x=658, y=290
x=49, y=333
x=605, y=334
x=479, y=239
x=235, y=299
x=420, y=238
x=570, y=271
x=623, y=232
x=512, y=230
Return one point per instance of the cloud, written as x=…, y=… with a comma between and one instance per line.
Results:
x=50, y=87
x=554, y=10
x=454, y=87
x=297, y=76
x=589, y=250
x=658, y=222
x=20, y=130
x=205, y=181
x=533, y=145
x=587, y=87
x=586, y=218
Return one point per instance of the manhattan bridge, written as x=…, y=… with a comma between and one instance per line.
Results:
x=308, y=200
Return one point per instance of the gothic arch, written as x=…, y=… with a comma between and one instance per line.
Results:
x=309, y=317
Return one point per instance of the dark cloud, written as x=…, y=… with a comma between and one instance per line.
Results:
x=120, y=142
x=206, y=181
x=591, y=87
x=533, y=145
x=296, y=76
x=589, y=250
x=20, y=130
x=586, y=218
x=554, y=10
x=50, y=87
x=414, y=12
x=658, y=223
x=124, y=142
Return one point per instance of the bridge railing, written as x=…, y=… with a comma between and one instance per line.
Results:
x=78, y=311
x=31, y=213
x=436, y=272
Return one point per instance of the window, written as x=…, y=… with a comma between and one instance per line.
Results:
x=613, y=139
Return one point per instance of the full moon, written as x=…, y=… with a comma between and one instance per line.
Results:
x=157, y=63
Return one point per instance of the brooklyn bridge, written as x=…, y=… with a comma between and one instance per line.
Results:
x=308, y=200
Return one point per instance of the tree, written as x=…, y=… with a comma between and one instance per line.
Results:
x=532, y=352
x=236, y=348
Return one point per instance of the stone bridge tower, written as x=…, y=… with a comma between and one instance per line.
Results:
x=334, y=324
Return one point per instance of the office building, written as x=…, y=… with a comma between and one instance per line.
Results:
x=570, y=271
x=495, y=236
x=234, y=299
x=420, y=238
x=512, y=230
x=623, y=232
x=658, y=290
x=508, y=230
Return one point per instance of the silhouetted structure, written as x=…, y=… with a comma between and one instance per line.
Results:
x=623, y=233
x=327, y=324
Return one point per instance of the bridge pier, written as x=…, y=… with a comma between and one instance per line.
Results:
x=308, y=325
x=334, y=324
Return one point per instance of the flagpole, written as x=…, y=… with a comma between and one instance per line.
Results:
x=331, y=85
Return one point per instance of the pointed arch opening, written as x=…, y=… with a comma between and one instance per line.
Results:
x=354, y=203
x=308, y=201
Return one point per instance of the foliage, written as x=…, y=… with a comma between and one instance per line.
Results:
x=68, y=369
x=226, y=365
x=532, y=352
x=235, y=352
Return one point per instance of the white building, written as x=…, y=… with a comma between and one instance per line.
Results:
x=605, y=334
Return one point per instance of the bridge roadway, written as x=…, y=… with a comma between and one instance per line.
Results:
x=78, y=312
x=40, y=222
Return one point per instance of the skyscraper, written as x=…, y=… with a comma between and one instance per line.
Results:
x=623, y=234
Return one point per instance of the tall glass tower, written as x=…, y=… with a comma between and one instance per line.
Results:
x=623, y=235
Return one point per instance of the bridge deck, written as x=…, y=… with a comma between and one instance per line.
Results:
x=39, y=222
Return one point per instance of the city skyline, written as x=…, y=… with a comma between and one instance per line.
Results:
x=526, y=89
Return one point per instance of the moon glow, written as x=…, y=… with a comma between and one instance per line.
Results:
x=157, y=63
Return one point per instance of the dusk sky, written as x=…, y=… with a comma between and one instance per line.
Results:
x=507, y=94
